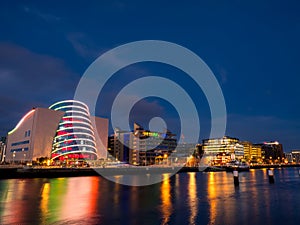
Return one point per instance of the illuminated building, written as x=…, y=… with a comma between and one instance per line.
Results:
x=295, y=156
x=247, y=149
x=64, y=132
x=141, y=147
x=256, y=152
x=252, y=152
x=147, y=147
x=272, y=151
x=221, y=150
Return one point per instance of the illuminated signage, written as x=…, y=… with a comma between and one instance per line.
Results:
x=150, y=134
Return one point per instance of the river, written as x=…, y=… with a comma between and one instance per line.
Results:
x=185, y=198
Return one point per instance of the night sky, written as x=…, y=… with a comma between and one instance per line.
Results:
x=252, y=47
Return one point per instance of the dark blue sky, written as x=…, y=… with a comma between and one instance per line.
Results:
x=251, y=46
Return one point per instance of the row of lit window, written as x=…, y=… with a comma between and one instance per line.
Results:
x=19, y=150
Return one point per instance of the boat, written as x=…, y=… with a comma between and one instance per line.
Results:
x=236, y=165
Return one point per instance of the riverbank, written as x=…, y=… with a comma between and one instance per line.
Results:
x=46, y=172
x=8, y=173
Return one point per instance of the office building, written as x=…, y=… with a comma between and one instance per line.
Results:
x=118, y=145
x=221, y=150
x=295, y=156
x=142, y=147
x=272, y=151
x=255, y=153
x=252, y=152
x=148, y=147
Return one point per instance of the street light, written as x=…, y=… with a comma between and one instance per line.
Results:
x=14, y=155
x=24, y=155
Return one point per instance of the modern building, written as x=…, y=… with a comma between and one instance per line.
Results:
x=142, y=147
x=221, y=150
x=255, y=154
x=272, y=151
x=252, y=152
x=296, y=156
x=118, y=145
x=148, y=147
x=247, y=149
x=63, y=132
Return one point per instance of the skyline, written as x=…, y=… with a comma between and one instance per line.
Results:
x=250, y=47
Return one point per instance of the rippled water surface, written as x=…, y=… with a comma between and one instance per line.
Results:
x=186, y=198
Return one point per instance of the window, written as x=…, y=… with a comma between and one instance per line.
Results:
x=20, y=143
x=27, y=133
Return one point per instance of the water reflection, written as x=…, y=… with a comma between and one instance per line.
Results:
x=166, y=206
x=187, y=198
x=212, y=194
x=192, y=198
x=59, y=199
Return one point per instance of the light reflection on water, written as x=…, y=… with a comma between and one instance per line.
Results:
x=186, y=198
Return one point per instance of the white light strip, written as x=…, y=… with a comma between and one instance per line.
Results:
x=74, y=128
x=92, y=136
x=66, y=101
x=75, y=139
x=21, y=121
x=80, y=112
x=72, y=107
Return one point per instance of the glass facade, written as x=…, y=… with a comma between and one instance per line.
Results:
x=74, y=138
x=219, y=151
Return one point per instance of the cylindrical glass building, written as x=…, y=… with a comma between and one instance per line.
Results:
x=74, y=138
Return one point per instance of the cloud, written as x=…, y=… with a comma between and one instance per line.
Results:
x=84, y=46
x=44, y=16
x=30, y=80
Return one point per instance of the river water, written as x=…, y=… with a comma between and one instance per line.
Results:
x=185, y=198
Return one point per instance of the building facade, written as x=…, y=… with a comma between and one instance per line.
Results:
x=252, y=152
x=142, y=147
x=219, y=151
x=295, y=156
x=148, y=147
x=272, y=151
x=64, y=132
x=118, y=145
